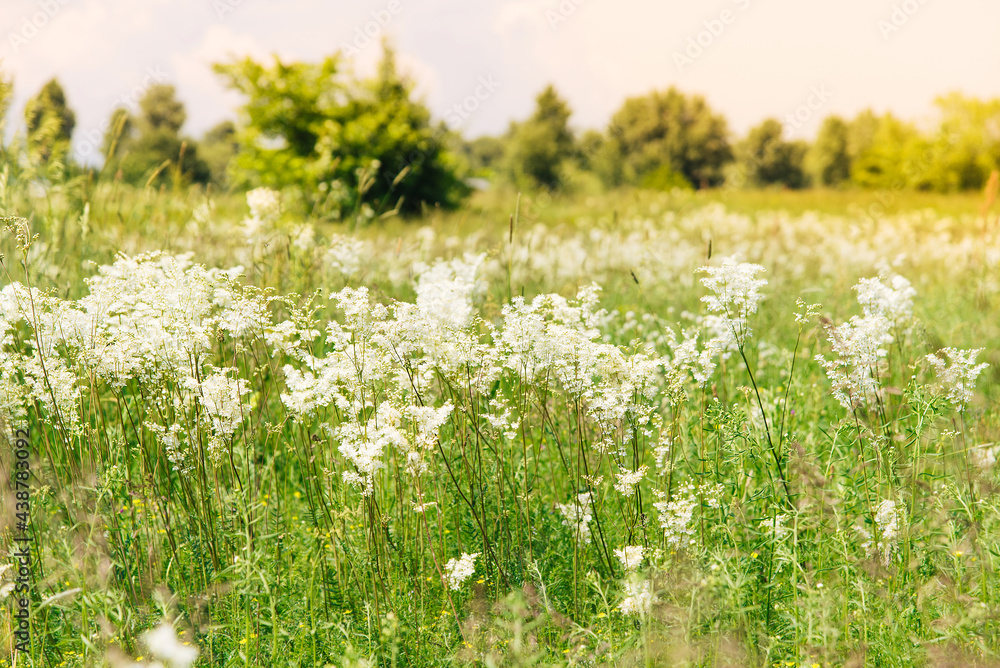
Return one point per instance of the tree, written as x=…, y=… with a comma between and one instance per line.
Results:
x=217, y=148
x=484, y=154
x=589, y=149
x=6, y=95
x=666, y=129
x=966, y=148
x=829, y=159
x=307, y=126
x=861, y=133
x=889, y=153
x=538, y=147
x=49, y=122
x=880, y=146
x=149, y=147
x=764, y=158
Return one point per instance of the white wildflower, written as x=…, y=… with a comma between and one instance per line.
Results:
x=958, y=378
x=445, y=289
x=6, y=581
x=627, y=480
x=305, y=238
x=860, y=345
x=164, y=644
x=775, y=526
x=736, y=293
x=984, y=457
x=459, y=570
x=265, y=208
x=630, y=556
x=222, y=398
x=577, y=516
x=264, y=203
x=676, y=517
x=245, y=316
x=888, y=519
x=423, y=507
x=638, y=599
x=347, y=255
x=890, y=297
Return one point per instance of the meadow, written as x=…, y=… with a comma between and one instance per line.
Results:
x=725, y=428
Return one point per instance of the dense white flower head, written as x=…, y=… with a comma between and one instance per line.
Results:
x=775, y=527
x=265, y=209
x=984, y=457
x=890, y=296
x=736, y=293
x=7, y=584
x=577, y=516
x=221, y=395
x=445, y=289
x=627, y=480
x=860, y=346
x=630, y=556
x=347, y=255
x=638, y=599
x=958, y=378
x=459, y=570
x=889, y=519
x=264, y=203
x=677, y=515
x=164, y=645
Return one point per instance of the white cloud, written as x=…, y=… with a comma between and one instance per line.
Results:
x=206, y=98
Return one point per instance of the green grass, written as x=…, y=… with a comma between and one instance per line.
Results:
x=262, y=555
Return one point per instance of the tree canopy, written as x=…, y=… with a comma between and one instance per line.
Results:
x=49, y=122
x=148, y=147
x=667, y=129
x=538, y=147
x=308, y=125
x=764, y=158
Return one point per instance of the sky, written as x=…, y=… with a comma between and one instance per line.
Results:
x=796, y=60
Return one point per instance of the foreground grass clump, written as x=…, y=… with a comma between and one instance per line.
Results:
x=668, y=434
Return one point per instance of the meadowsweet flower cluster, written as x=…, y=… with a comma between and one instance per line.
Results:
x=958, y=377
x=736, y=294
x=627, y=480
x=860, y=346
x=445, y=290
x=677, y=515
x=638, y=601
x=889, y=296
x=265, y=208
x=630, y=556
x=165, y=646
x=459, y=570
x=888, y=523
x=420, y=426
x=984, y=457
x=577, y=515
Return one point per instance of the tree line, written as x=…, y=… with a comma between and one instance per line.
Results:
x=341, y=141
